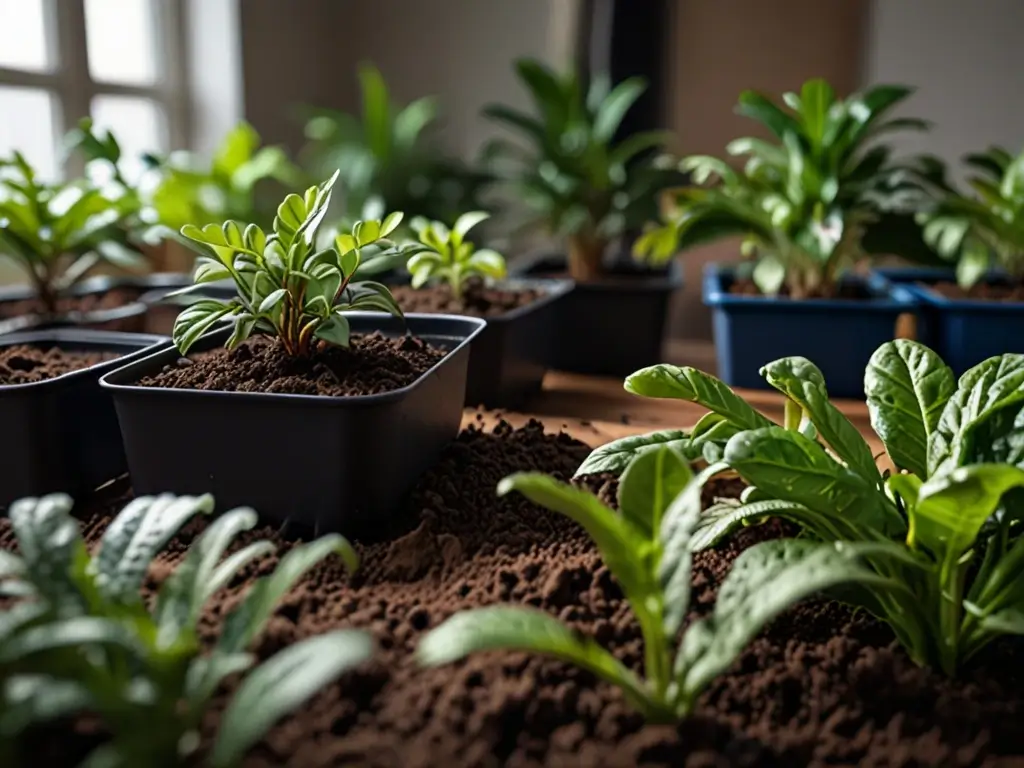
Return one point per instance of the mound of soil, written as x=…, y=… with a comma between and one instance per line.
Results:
x=477, y=300
x=374, y=363
x=24, y=364
x=820, y=686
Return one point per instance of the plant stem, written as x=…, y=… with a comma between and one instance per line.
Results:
x=585, y=254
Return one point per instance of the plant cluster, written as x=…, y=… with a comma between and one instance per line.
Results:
x=984, y=230
x=285, y=286
x=944, y=526
x=578, y=180
x=84, y=639
x=804, y=202
x=451, y=258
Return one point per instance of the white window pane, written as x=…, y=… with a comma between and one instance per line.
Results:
x=120, y=40
x=23, y=35
x=27, y=124
x=138, y=124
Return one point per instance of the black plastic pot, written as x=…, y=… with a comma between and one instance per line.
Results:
x=327, y=463
x=613, y=326
x=62, y=433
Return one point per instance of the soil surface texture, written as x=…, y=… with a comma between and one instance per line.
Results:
x=477, y=300
x=374, y=363
x=23, y=364
x=112, y=299
x=820, y=686
x=852, y=292
x=981, y=291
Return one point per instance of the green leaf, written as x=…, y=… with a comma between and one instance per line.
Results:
x=467, y=221
x=907, y=386
x=237, y=147
x=334, y=330
x=376, y=111
x=761, y=109
x=615, y=456
x=487, y=262
x=282, y=684
x=196, y=319
x=669, y=381
x=674, y=566
x=803, y=383
x=247, y=620
x=135, y=537
x=614, y=108
x=73, y=633
x=271, y=300
x=506, y=627
x=209, y=271
x=36, y=699
x=649, y=485
x=1008, y=622
x=719, y=520
x=366, y=232
x=390, y=223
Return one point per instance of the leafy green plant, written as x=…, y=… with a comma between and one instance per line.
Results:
x=805, y=201
x=577, y=180
x=983, y=230
x=451, y=258
x=285, y=286
x=56, y=233
x=86, y=640
x=190, y=191
x=952, y=512
x=387, y=158
x=647, y=547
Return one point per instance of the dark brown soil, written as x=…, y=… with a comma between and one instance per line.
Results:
x=22, y=364
x=477, y=300
x=821, y=686
x=981, y=291
x=848, y=291
x=112, y=299
x=374, y=363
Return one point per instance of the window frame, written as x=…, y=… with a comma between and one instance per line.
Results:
x=71, y=86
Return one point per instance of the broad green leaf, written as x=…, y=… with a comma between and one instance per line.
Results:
x=390, y=223
x=649, y=485
x=366, y=232
x=674, y=566
x=907, y=386
x=135, y=537
x=615, y=456
x=36, y=699
x=803, y=383
x=1008, y=622
x=793, y=468
x=506, y=627
x=73, y=633
x=236, y=148
x=757, y=107
x=488, y=263
x=196, y=319
x=334, y=330
x=209, y=271
x=271, y=300
x=721, y=519
x=247, y=620
x=669, y=381
x=206, y=673
x=614, y=108
x=282, y=684
x=467, y=221
x=10, y=565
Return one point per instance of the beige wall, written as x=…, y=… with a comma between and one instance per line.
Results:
x=717, y=49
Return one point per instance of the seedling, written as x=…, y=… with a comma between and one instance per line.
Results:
x=952, y=581
x=86, y=640
x=285, y=286
x=646, y=546
x=451, y=258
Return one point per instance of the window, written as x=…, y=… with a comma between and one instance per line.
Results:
x=120, y=61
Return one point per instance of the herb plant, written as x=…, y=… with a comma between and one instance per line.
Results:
x=805, y=201
x=950, y=514
x=451, y=258
x=647, y=547
x=983, y=230
x=285, y=286
x=577, y=180
x=56, y=233
x=86, y=640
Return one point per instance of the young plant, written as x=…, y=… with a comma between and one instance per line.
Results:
x=285, y=286
x=804, y=202
x=647, y=547
x=56, y=233
x=87, y=640
x=952, y=586
x=451, y=258
x=983, y=230
x=576, y=178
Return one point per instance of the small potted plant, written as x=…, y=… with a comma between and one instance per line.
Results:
x=451, y=276
x=582, y=184
x=975, y=312
x=804, y=205
x=308, y=362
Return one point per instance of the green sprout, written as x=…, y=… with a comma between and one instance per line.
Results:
x=450, y=257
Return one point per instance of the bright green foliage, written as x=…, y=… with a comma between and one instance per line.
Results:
x=86, y=640
x=983, y=230
x=192, y=192
x=573, y=174
x=386, y=157
x=56, y=233
x=647, y=546
x=947, y=527
x=285, y=286
x=804, y=200
x=452, y=258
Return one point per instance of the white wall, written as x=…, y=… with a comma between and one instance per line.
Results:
x=967, y=60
